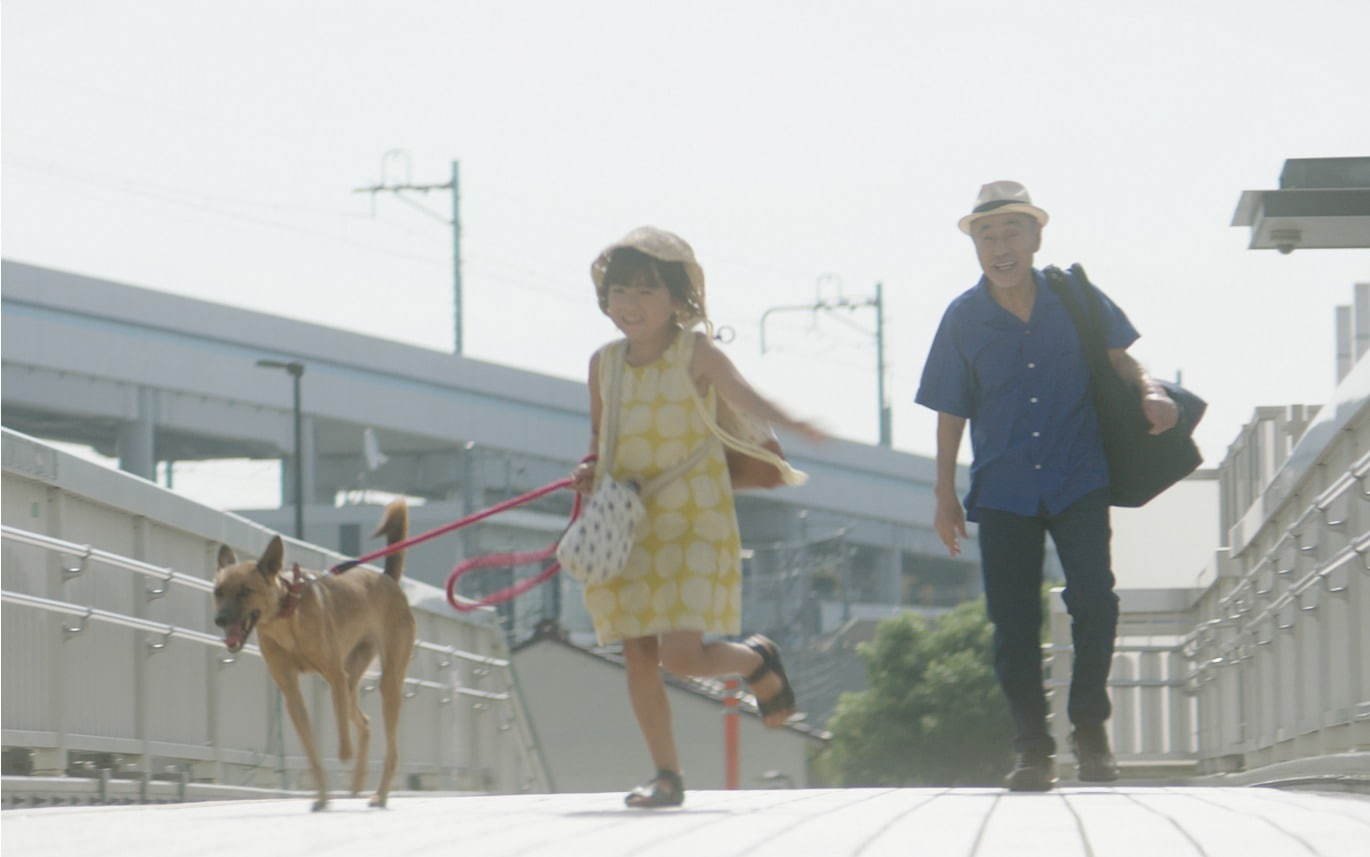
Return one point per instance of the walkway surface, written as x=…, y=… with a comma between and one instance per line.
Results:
x=1088, y=822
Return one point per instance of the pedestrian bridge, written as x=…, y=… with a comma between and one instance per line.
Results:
x=1142, y=821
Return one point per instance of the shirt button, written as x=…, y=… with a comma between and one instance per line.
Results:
x=1036, y=467
x=1036, y=434
x=1032, y=365
x=1033, y=400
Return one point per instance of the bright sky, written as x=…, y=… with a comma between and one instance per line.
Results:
x=211, y=149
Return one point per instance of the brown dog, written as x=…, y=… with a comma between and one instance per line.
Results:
x=336, y=626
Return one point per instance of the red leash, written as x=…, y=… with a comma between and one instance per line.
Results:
x=499, y=559
x=455, y=525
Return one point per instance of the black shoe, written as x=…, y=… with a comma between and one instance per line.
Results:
x=1032, y=772
x=1094, y=762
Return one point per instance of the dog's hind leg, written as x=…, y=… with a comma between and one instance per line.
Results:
x=392, y=694
x=357, y=662
x=289, y=682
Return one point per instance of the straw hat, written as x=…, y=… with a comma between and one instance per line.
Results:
x=665, y=247
x=1002, y=197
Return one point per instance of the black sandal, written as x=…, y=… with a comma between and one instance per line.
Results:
x=780, y=706
x=650, y=794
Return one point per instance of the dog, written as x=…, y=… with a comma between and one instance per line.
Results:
x=335, y=625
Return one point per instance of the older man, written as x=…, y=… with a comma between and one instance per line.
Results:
x=1007, y=357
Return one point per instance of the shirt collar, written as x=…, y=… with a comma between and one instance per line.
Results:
x=987, y=310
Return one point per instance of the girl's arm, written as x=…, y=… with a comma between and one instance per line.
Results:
x=584, y=474
x=711, y=367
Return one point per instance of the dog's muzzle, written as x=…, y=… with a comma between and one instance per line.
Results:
x=236, y=632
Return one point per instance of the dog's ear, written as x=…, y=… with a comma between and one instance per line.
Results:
x=270, y=563
x=226, y=556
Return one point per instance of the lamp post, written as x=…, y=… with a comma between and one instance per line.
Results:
x=296, y=370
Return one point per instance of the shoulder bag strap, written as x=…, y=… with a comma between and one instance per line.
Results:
x=1086, y=326
x=611, y=382
x=788, y=474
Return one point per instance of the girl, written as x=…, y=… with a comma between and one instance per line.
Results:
x=683, y=578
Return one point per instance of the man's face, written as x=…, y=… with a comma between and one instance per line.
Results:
x=1005, y=243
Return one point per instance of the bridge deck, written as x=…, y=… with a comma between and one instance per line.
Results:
x=1089, y=822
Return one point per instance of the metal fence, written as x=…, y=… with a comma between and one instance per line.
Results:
x=1269, y=663
x=109, y=663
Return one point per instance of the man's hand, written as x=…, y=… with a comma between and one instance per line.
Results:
x=950, y=522
x=1161, y=410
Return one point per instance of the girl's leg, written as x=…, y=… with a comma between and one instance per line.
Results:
x=647, y=692
x=686, y=653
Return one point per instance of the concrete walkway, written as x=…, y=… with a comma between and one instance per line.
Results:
x=1071, y=822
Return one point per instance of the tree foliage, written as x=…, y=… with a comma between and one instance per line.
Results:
x=933, y=714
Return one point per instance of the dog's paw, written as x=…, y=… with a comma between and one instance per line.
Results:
x=320, y=804
x=377, y=802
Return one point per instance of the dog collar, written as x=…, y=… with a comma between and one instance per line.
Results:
x=293, y=590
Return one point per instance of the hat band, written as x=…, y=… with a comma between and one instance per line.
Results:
x=998, y=203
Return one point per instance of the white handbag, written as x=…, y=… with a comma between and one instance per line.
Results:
x=595, y=547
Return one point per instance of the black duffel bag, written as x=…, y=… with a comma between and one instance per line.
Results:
x=1140, y=464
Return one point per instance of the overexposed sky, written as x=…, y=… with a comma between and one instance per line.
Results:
x=805, y=149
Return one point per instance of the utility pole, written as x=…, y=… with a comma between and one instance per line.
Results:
x=454, y=221
x=878, y=302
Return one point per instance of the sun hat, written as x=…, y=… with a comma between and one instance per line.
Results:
x=1002, y=197
x=663, y=246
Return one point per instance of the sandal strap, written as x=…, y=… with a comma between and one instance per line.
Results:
x=767, y=653
x=651, y=793
x=671, y=778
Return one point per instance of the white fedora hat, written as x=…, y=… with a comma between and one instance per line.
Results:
x=1002, y=197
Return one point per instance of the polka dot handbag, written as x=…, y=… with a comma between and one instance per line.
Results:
x=596, y=546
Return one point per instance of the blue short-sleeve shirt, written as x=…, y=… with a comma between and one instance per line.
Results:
x=1024, y=386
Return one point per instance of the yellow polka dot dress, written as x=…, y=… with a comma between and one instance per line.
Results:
x=684, y=572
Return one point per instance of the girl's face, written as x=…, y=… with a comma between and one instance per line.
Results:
x=641, y=310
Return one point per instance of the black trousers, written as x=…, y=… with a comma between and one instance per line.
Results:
x=1012, y=548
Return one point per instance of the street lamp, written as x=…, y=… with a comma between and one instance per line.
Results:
x=296, y=370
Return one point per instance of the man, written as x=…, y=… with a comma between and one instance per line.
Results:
x=1007, y=357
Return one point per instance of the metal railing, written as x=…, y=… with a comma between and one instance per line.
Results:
x=1269, y=663
x=102, y=665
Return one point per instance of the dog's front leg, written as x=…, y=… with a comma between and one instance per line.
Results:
x=288, y=680
x=342, y=711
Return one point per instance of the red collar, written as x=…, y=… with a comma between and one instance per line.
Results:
x=293, y=590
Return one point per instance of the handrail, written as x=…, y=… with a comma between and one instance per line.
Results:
x=168, y=575
x=168, y=632
x=87, y=552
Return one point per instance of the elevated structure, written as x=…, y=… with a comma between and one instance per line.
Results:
x=152, y=379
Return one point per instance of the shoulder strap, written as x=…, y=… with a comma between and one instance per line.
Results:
x=1086, y=319
x=788, y=474
x=611, y=382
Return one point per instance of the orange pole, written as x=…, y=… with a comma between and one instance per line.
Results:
x=730, y=734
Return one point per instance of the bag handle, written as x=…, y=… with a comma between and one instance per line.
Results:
x=788, y=474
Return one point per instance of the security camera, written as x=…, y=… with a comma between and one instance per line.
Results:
x=1285, y=240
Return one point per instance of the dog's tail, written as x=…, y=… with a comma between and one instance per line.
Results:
x=395, y=526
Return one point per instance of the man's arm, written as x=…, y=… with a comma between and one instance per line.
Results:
x=950, y=518
x=1159, y=408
